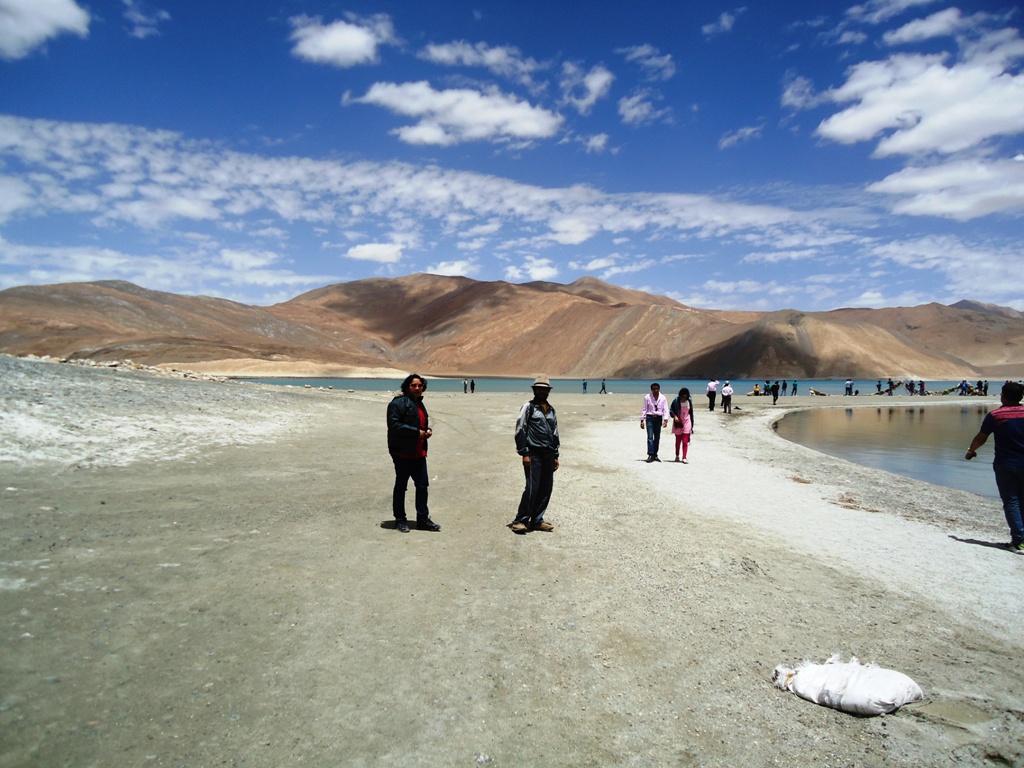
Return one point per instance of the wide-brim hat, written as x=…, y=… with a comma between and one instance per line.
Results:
x=541, y=381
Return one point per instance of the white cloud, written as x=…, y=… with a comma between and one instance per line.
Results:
x=144, y=19
x=597, y=143
x=969, y=270
x=651, y=60
x=583, y=91
x=463, y=268
x=724, y=23
x=877, y=11
x=638, y=109
x=506, y=61
x=532, y=268
x=941, y=24
x=922, y=105
x=594, y=265
x=961, y=190
x=740, y=135
x=27, y=24
x=341, y=43
x=457, y=115
x=382, y=253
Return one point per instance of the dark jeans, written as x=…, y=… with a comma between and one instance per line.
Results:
x=653, y=434
x=711, y=400
x=726, y=403
x=417, y=470
x=540, y=478
x=1010, y=482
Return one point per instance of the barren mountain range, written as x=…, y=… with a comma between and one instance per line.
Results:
x=459, y=326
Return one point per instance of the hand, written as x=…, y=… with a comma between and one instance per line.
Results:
x=970, y=454
x=556, y=465
x=526, y=461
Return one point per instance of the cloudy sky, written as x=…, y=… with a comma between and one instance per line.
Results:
x=774, y=154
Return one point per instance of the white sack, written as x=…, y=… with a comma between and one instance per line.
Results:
x=850, y=687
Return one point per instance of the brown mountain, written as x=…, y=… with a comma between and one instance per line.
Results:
x=455, y=325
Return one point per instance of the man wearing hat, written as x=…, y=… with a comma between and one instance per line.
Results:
x=537, y=443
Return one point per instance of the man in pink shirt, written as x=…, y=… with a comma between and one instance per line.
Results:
x=652, y=417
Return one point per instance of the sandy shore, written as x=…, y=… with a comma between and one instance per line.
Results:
x=196, y=573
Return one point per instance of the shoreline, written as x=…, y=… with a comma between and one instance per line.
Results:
x=184, y=589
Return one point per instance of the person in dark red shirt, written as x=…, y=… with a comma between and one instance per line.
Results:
x=408, y=432
x=1007, y=424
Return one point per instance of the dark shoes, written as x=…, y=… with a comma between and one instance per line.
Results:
x=402, y=526
x=428, y=525
x=520, y=527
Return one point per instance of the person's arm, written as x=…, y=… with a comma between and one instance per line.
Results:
x=395, y=422
x=693, y=424
x=521, y=426
x=976, y=443
x=644, y=411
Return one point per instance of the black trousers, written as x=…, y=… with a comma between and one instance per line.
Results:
x=417, y=470
x=540, y=479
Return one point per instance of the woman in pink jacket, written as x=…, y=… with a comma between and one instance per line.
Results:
x=681, y=411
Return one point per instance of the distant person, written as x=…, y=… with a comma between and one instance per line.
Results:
x=604, y=389
x=985, y=388
x=774, y=389
x=1007, y=424
x=878, y=386
x=792, y=390
x=652, y=417
x=757, y=390
x=681, y=411
x=537, y=443
x=727, y=392
x=472, y=386
x=849, y=387
x=584, y=386
x=891, y=387
x=465, y=386
x=408, y=433
x=920, y=388
x=785, y=386
x=712, y=393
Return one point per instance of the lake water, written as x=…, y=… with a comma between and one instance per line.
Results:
x=617, y=386
x=925, y=443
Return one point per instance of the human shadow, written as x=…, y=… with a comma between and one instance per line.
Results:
x=993, y=544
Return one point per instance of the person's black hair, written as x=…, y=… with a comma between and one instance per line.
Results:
x=408, y=381
x=684, y=394
x=1013, y=391
x=655, y=384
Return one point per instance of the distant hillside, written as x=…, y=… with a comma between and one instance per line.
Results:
x=455, y=325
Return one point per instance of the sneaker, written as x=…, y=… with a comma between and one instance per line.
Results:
x=518, y=527
x=685, y=461
x=1016, y=548
x=428, y=525
x=655, y=458
x=543, y=526
x=649, y=458
x=402, y=525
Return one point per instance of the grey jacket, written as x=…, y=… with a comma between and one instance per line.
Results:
x=536, y=432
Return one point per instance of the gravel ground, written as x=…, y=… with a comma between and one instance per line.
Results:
x=197, y=573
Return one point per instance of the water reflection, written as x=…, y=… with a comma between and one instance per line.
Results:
x=926, y=443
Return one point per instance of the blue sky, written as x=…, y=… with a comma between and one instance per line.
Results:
x=767, y=155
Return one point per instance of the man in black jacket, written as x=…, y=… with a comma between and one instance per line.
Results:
x=537, y=443
x=408, y=432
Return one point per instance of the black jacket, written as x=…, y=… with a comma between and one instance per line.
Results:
x=404, y=425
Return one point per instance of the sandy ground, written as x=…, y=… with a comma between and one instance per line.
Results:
x=196, y=574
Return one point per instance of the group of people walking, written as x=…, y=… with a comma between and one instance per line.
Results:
x=656, y=413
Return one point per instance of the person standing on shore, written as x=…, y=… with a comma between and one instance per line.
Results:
x=712, y=393
x=792, y=391
x=1007, y=424
x=408, y=433
x=604, y=389
x=653, y=415
x=681, y=411
x=584, y=386
x=774, y=389
x=472, y=386
x=727, y=391
x=537, y=443
x=465, y=387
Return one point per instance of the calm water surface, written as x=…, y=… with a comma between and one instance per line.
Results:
x=925, y=443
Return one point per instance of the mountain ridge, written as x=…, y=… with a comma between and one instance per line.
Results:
x=458, y=326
